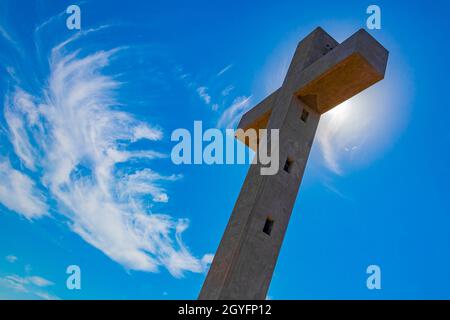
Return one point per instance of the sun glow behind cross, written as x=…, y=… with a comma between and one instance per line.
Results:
x=357, y=132
x=360, y=130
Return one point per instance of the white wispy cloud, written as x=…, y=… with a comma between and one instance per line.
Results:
x=75, y=138
x=208, y=258
x=225, y=69
x=39, y=281
x=11, y=258
x=145, y=182
x=32, y=286
x=4, y=34
x=19, y=283
x=14, y=282
x=20, y=111
x=203, y=91
x=227, y=90
x=203, y=94
x=231, y=116
x=19, y=193
x=45, y=295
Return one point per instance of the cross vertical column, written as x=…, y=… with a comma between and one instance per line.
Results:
x=244, y=262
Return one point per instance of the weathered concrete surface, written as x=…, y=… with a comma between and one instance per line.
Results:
x=356, y=64
x=321, y=75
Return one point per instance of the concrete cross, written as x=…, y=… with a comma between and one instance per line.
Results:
x=322, y=74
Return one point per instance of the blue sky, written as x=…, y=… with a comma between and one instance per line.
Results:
x=85, y=128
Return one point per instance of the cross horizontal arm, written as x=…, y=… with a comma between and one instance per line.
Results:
x=354, y=65
x=253, y=117
x=257, y=117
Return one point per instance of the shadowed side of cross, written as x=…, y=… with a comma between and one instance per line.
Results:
x=322, y=74
x=341, y=72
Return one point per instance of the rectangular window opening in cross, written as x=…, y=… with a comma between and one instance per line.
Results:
x=268, y=226
x=288, y=165
x=305, y=115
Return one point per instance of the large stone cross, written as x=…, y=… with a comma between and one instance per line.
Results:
x=322, y=74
